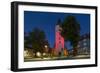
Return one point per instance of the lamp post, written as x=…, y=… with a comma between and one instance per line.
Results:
x=46, y=46
x=45, y=50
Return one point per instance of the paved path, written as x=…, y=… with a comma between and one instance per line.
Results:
x=59, y=58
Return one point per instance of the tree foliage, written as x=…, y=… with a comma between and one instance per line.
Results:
x=71, y=31
x=35, y=39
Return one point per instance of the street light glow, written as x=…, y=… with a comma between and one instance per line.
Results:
x=45, y=46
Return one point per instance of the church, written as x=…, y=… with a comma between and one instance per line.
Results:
x=59, y=40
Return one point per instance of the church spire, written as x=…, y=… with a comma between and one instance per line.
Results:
x=59, y=22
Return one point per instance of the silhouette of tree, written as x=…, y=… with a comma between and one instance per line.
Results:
x=71, y=31
x=35, y=39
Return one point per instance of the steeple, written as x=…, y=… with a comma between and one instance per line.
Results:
x=59, y=22
x=59, y=40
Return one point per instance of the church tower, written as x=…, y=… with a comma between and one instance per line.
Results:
x=59, y=40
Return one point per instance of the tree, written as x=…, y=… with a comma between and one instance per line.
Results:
x=26, y=40
x=71, y=31
x=36, y=39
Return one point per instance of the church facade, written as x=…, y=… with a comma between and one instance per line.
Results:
x=59, y=40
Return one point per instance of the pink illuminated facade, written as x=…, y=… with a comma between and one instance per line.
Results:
x=59, y=40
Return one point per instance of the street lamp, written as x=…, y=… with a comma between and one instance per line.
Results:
x=38, y=54
x=46, y=46
x=46, y=50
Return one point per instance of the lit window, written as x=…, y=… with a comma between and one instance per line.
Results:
x=85, y=44
x=84, y=40
x=78, y=46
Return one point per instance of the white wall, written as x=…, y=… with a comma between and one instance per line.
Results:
x=5, y=35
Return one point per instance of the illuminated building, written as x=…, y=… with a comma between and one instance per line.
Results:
x=59, y=40
x=84, y=44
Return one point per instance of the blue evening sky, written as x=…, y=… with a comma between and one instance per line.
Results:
x=46, y=21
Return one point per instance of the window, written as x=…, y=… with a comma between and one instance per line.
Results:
x=78, y=46
x=84, y=40
x=59, y=41
x=85, y=44
x=59, y=38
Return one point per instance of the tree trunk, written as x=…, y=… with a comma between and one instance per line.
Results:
x=75, y=51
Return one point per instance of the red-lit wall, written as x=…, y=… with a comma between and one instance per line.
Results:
x=59, y=40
